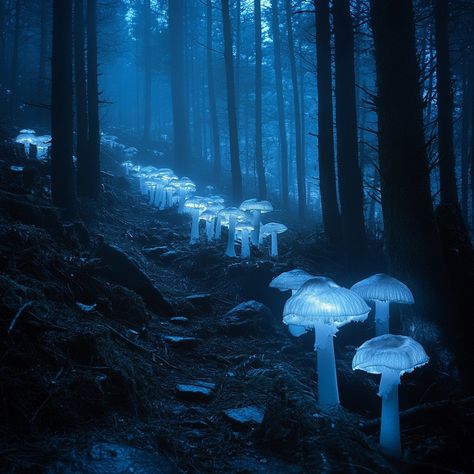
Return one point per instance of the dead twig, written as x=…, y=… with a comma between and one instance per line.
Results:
x=18, y=314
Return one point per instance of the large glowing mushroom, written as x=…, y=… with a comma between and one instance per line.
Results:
x=256, y=208
x=195, y=205
x=229, y=217
x=273, y=229
x=294, y=280
x=383, y=290
x=326, y=310
x=391, y=356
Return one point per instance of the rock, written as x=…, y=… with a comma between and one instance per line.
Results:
x=154, y=252
x=248, y=318
x=245, y=416
x=180, y=342
x=201, y=300
x=111, y=458
x=127, y=306
x=124, y=271
x=197, y=391
x=249, y=465
x=180, y=320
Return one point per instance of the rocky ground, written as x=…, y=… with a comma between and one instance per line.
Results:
x=125, y=349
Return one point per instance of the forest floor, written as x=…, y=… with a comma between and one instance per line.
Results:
x=99, y=375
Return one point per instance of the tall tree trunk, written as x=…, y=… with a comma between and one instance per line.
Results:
x=14, y=77
x=282, y=138
x=43, y=50
x=93, y=182
x=62, y=174
x=212, y=96
x=303, y=112
x=82, y=133
x=447, y=173
x=471, y=164
x=411, y=236
x=466, y=111
x=238, y=53
x=181, y=143
x=231, y=105
x=327, y=173
x=300, y=171
x=262, y=187
x=147, y=71
x=349, y=176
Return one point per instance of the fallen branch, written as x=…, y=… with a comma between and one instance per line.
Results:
x=18, y=314
x=419, y=410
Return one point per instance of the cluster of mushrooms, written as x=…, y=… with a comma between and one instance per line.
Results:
x=166, y=190
x=321, y=304
x=29, y=137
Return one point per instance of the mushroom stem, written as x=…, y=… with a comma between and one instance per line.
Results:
x=295, y=330
x=195, y=226
x=182, y=198
x=230, y=251
x=217, y=233
x=256, y=218
x=382, y=317
x=328, y=393
x=274, y=248
x=245, y=250
x=210, y=229
x=390, y=420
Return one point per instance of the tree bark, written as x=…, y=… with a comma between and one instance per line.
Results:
x=411, y=237
x=300, y=168
x=466, y=111
x=93, y=181
x=13, y=79
x=181, y=143
x=349, y=175
x=212, y=97
x=447, y=173
x=62, y=176
x=43, y=50
x=262, y=187
x=283, y=141
x=82, y=134
x=147, y=71
x=327, y=173
x=231, y=105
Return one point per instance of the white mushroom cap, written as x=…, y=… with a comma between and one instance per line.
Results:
x=273, y=227
x=382, y=287
x=244, y=225
x=389, y=352
x=256, y=205
x=208, y=215
x=322, y=302
x=292, y=280
x=215, y=199
x=215, y=208
x=229, y=212
x=195, y=202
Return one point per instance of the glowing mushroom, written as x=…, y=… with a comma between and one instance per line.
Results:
x=209, y=217
x=273, y=229
x=256, y=208
x=195, y=205
x=294, y=280
x=383, y=290
x=391, y=356
x=186, y=187
x=229, y=217
x=325, y=307
x=244, y=228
